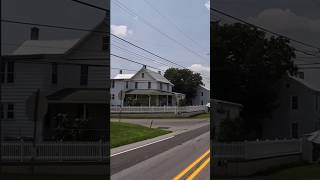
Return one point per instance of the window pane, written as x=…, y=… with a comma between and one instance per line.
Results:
x=54, y=75
x=2, y=72
x=1, y=111
x=10, y=76
x=84, y=75
x=105, y=43
x=10, y=112
x=294, y=104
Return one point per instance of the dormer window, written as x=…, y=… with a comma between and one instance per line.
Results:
x=142, y=75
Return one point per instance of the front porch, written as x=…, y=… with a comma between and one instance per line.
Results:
x=150, y=98
x=77, y=115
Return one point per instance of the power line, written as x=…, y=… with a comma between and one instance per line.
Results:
x=159, y=31
x=90, y=5
x=133, y=61
x=93, y=31
x=171, y=22
x=264, y=29
x=52, y=26
x=141, y=48
x=138, y=55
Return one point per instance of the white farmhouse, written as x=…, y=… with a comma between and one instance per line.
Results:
x=144, y=88
x=43, y=78
x=202, y=96
x=298, y=111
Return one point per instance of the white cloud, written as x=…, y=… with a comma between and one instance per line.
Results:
x=207, y=4
x=285, y=20
x=120, y=30
x=204, y=71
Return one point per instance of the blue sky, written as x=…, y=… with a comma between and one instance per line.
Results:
x=193, y=32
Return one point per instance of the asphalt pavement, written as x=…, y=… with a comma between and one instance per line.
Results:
x=166, y=158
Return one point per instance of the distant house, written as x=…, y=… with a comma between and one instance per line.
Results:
x=43, y=78
x=298, y=111
x=144, y=88
x=202, y=96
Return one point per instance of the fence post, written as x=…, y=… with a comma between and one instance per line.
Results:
x=101, y=149
x=60, y=149
x=21, y=150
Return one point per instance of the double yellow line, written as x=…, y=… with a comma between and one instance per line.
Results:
x=192, y=165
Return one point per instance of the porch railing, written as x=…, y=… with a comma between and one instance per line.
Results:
x=54, y=151
x=257, y=149
x=157, y=109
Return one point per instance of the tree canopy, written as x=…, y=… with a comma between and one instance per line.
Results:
x=185, y=81
x=246, y=66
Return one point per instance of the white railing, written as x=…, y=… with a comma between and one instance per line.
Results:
x=54, y=151
x=157, y=109
x=257, y=149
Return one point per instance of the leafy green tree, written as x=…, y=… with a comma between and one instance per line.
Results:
x=247, y=65
x=185, y=81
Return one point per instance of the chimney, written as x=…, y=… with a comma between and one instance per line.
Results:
x=34, y=33
x=159, y=72
x=144, y=66
x=120, y=72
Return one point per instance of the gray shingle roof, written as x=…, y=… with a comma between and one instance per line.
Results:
x=158, y=77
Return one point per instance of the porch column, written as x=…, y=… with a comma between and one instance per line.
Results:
x=149, y=99
x=84, y=111
x=167, y=100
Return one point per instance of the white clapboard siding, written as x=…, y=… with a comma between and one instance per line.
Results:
x=27, y=79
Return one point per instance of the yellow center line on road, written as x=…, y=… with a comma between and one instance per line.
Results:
x=193, y=164
x=199, y=169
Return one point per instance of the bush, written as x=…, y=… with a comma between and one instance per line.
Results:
x=231, y=130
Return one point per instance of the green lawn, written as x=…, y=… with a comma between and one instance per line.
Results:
x=305, y=172
x=125, y=133
x=201, y=116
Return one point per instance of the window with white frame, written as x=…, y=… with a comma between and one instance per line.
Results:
x=7, y=72
x=112, y=83
x=7, y=111
x=294, y=102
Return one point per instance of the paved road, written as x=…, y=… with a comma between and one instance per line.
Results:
x=165, y=159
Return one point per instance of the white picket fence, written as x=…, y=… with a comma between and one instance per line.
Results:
x=157, y=109
x=257, y=149
x=54, y=151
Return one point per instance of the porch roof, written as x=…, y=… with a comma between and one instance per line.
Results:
x=149, y=92
x=79, y=95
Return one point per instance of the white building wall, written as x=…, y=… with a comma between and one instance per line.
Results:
x=306, y=116
x=201, y=99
